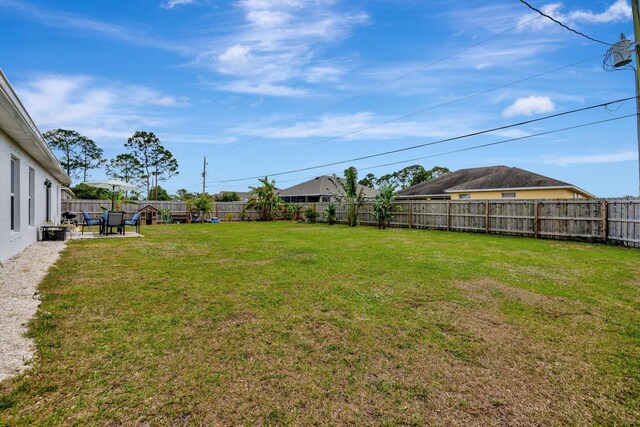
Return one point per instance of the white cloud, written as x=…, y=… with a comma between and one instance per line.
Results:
x=69, y=21
x=323, y=73
x=98, y=109
x=619, y=11
x=359, y=126
x=170, y=4
x=623, y=156
x=248, y=87
x=529, y=106
x=277, y=46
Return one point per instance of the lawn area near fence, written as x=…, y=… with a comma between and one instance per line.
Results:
x=306, y=324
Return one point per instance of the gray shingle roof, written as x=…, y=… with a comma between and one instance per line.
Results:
x=438, y=186
x=321, y=186
x=510, y=178
x=486, y=178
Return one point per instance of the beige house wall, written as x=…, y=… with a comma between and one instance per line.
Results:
x=554, y=193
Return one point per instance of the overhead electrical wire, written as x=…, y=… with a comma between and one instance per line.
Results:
x=382, y=85
x=441, y=141
x=475, y=147
x=446, y=103
x=561, y=24
x=464, y=98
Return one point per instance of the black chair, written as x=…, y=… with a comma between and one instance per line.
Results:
x=115, y=219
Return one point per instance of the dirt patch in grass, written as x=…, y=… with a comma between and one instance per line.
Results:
x=519, y=378
x=487, y=290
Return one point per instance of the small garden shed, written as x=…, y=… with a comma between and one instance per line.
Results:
x=148, y=215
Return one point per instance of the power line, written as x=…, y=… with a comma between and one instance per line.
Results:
x=499, y=142
x=476, y=147
x=561, y=24
x=387, y=83
x=413, y=147
x=464, y=98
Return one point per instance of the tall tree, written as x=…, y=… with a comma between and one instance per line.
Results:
x=369, y=180
x=77, y=153
x=125, y=167
x=90, y=156
x=160, y=194
x=183, y=194
x=428, y=175
x=412, y=175
x=157, y=162
x=164, y=167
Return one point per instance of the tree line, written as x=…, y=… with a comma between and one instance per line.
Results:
x=350, y=195
x=146, y=162
x=405, y=177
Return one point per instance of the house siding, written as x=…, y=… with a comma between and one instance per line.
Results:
x=13, y=242
x=555, y=193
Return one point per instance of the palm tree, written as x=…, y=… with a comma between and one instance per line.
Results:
x=384, y=207
x=330, y=214
x=265, y=199
x=350, y=196
x=189, y=204
x=204, y=205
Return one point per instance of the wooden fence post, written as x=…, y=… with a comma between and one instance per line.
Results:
x=410, y=214
x=448, y=216
x=605, y=213
x=486, y=217
x=536, y=222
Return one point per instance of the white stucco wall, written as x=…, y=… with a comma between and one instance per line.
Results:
x=12, y=242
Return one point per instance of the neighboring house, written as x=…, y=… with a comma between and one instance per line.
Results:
x=319, y=189
x=66, y=194
x=493, y=182
x=31, y=178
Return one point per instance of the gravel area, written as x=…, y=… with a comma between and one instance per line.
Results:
x=19, y=279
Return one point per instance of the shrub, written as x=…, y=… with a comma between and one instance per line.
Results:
x=311, y=214
x=291, y=211
x=228, y=216
x=330, y=214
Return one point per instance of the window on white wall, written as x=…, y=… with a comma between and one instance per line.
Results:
x=15, y=194
x=32, y=188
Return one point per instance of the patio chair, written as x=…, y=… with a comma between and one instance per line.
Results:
x=115, y=219
x=88, y=222
x=134, y=222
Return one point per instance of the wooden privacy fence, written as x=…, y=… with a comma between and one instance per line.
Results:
x=612, y=220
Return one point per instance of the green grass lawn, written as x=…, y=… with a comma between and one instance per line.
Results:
x=285, y=323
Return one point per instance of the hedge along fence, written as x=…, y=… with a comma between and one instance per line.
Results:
x=612, y=220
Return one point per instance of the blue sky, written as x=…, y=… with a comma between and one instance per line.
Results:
x=266, y=86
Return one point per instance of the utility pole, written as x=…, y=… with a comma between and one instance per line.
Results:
x=204, y=175
x=636, y=37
